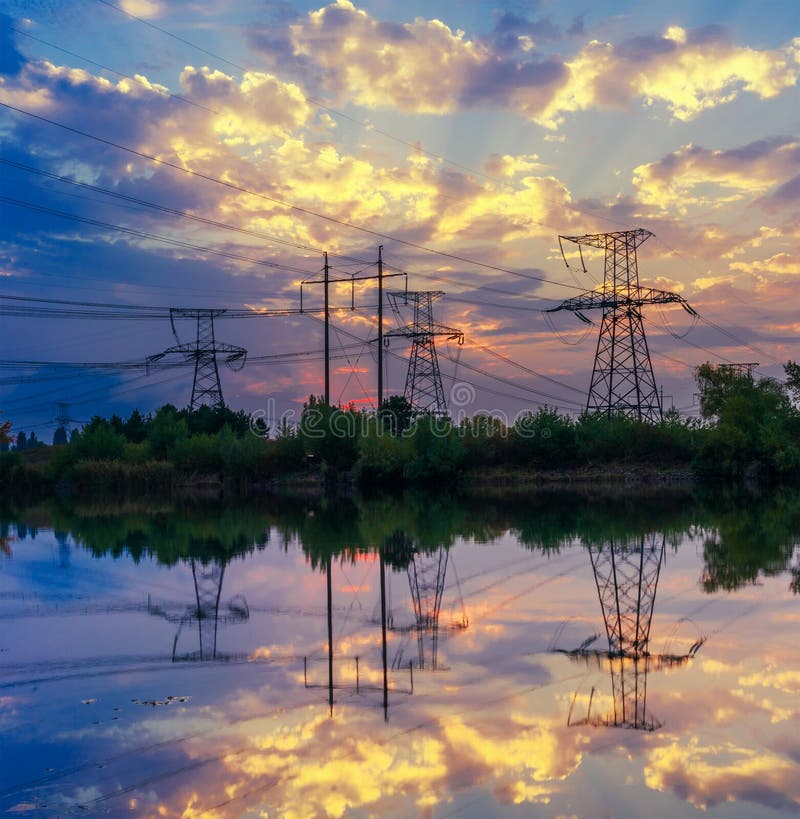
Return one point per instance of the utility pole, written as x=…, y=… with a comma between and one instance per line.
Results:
x=359, y=687
x=622, y=377
x=424, y=390
x=326, y=281
x=383, y=636
x=380, y=326
x=327, y=336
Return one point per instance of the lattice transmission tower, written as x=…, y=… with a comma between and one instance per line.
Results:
x=622, y=377
x=626, y=576
x=423, y=390
x=207, y=612
x=203, y=353
x=427, y=574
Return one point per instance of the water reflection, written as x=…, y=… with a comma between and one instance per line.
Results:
x=626, y=575
x=332, y=617
x=357, y=668
x=426, y=571
x=205, y=612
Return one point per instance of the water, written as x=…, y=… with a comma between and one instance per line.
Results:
x=174, y=662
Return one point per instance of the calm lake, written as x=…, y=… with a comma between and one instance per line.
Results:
x=496, y=655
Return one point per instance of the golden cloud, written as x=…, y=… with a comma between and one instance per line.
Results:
x=417, y=66
x=780, y=263
x=687, y=75
x=709, y=775
x=693, y=175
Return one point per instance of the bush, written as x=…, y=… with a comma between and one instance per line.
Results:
x=99, y=442
x=164, y=432
x=437, y=450
x=381, y=456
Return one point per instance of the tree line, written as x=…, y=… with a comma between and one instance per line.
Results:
x=749, y=428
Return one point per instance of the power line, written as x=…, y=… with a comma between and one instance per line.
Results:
x=155, y=206
x=508, y=381
x=245, y=231
x=528, y=370
x=283, y=202
x=145, y=235
x=416, y=147
x=478, y=370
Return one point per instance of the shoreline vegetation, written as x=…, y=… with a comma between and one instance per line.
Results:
x=748, y=431
x=742, y=539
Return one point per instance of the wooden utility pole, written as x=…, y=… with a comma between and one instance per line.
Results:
x=327, y=336
x=380, y=327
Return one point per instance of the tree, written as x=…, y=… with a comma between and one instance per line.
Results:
x=60, y=436
x=165, y=430
x=135, y=428
x=792, y=370
x=396, y=414
x=754, y=426
x=22, y=442
x=6, y=437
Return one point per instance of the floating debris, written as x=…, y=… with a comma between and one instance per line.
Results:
x=89, y=701
x=170, y=700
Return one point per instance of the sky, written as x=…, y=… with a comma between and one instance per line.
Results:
x=462, y=137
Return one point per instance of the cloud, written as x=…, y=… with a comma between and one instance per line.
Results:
x=11, y=61
x=711, y=775
x=250, y=111
x=517, y=31
x=687, y=71
x=142, y=8
x=781, y=264
x=786, y=194
x=426, y=67
x=413, y=66
x=699, y=176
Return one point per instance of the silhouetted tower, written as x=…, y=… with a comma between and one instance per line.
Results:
x=63, y=418
x=622, y=378
x=427, y=575
x=203, y=353
x=63, y=421
x=208, y=589
x=423, y=391
x=426, y=579
x=626, y=575
x=739, y=370
x=207, y=612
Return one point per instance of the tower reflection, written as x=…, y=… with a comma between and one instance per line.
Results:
x=626, y=576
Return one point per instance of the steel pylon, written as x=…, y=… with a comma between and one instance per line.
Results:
x=205, y=612
x=626, y=576
x=427, y=575
x=203, y=353
x=622, y=382
x=423, y=390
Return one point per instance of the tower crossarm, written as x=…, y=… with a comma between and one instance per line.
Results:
x=635, y=297
x=233, y=355
x=632, y=238
x=409, y=331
